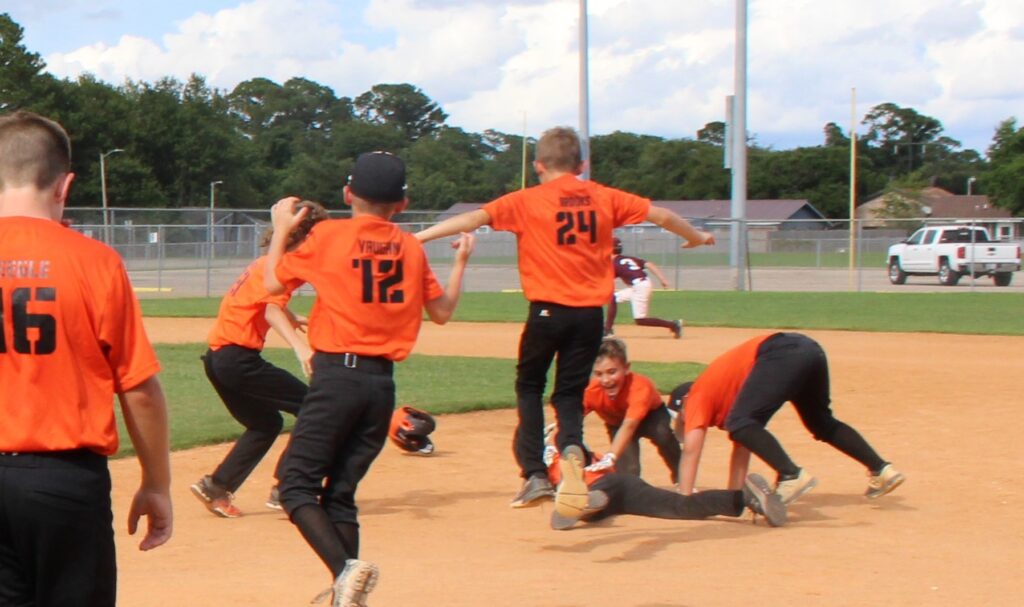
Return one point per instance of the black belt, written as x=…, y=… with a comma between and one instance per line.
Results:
x=72, y=455
x=367, y=364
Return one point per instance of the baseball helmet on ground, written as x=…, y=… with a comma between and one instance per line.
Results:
x=617, y=246
x=409, y=430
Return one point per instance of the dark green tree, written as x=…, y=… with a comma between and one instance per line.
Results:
x=403, y=107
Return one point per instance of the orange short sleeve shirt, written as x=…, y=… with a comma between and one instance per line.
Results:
x=372, y=280
x=564, y=233
x=713, y=393
x=240, y=319
x=637, y=397
x=72, y=336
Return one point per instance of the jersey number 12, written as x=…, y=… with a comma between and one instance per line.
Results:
x=384, y=287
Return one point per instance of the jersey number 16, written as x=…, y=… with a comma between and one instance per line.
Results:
x=23, y=321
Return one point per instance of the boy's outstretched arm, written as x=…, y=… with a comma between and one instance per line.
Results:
x=739, y=463
x=440, y=310
x=677, y=225
x=464, y=222
x=657, y=272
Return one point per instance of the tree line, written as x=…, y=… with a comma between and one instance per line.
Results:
x=263, y=140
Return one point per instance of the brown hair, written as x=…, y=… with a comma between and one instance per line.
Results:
x=558, y=149
x=614, y=348
x=33, y=151
x=317, y=213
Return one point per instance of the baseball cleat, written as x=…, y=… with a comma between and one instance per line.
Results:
x=571, y=497
x=887, y=479
x=791, y=489
x=352, y=585
x=535, y=490
x=759, y=497
x=216, y=499
x=677, y=328
x=597, y=500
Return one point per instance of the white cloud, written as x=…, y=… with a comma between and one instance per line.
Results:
x=655, y=67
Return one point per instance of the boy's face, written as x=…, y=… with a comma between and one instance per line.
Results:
x=610, y=373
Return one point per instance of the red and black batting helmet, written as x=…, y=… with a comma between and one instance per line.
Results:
x=409, y=430
x=616, y=246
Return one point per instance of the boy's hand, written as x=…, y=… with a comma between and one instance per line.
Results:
x=283, y=215
x=606, y=462
x=707, y=238
x=464, y=246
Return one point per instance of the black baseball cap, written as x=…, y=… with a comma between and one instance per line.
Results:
x=675, y=399
x=378, y=177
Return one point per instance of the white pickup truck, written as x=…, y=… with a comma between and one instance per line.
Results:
x=952, y=251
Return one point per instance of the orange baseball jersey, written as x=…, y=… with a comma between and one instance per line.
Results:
x=72, y=337
x=564, y=232
x=240, y=319
x=371, y=282
x=713, y=392
x=636, y=398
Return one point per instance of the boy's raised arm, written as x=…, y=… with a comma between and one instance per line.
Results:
x=677, y=225
x=464, y=222
x=440, y=310
x=284, y=219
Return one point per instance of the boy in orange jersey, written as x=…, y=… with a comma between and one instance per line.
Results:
x=253, y=390
x=71, y=337
x=631, y=408
x=372, y=284
x=744, y=387
x=563, y=229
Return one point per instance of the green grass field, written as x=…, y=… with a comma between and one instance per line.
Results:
x=966, y=313
x=198, y=417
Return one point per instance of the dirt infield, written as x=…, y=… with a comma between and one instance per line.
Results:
x=942, y=407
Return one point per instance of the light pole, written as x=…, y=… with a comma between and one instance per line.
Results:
x=970, y=184
x=103, y=192
x=209, y=233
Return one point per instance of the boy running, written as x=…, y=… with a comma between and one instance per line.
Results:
x=372, y=282
x=631, y=408
x=71, y=337
x=743, y=388
x=253, y=390
x=633, y=272
x=563, y=230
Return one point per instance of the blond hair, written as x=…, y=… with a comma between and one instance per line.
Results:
x=559, y=149
x=33, y=151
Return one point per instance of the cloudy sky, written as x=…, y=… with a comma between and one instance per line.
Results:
x=659, y=67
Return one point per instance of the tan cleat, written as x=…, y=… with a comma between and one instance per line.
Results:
x=571, y=497
x=887, y=479
x=790, y=490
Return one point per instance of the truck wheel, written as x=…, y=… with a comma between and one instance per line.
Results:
x=896, y=274
x=947, y=275
x=1002, y=279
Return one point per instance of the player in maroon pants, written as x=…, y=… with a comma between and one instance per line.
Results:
x=633, y=272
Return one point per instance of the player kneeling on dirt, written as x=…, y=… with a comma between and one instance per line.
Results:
x=744, y=387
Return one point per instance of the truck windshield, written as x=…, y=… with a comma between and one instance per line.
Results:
x=964, y=235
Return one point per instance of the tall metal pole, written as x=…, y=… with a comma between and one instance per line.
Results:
x=103, y=192
x=584, y=93
x=209, y=235
x=853, y=183
x=738, y=241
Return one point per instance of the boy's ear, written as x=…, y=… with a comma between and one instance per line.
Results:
x=539, y=168
x=401, y=206
x=348, y=196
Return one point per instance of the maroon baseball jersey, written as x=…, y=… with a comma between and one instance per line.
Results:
x=629, y=269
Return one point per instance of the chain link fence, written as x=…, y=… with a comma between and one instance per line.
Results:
x=200, y=252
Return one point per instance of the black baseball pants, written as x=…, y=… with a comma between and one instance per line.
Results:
x=573, y=335
x=341, y=428
x=657, y=428
x=254, y=392
x=56, y=530
x=628, y=494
